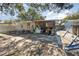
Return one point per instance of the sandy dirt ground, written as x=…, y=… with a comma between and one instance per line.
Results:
x=29, y=45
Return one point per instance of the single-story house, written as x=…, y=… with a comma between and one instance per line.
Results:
x=72, y=26
x=43, y=26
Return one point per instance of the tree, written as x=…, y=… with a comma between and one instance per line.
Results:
x=73, y=16
x=31, y=14
x=8, y=21
x=56, y=7
x=8, y=7
x=13, y=8
x=0, y=20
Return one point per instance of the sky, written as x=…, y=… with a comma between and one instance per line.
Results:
x=62, y=14
x=49, y=15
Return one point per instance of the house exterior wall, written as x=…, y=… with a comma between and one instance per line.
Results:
x=24, y=25
x=6, y=27
x=48, y=23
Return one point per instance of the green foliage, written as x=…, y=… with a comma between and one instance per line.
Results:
x=35, y=9
x=56, y=7
x=22, y=15
x=73, y=16
x=8, y=21
x=31, y=14
x=0, y=20
x=12, y=7
x=20, y=7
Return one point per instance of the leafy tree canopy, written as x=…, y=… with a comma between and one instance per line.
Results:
x=31, y=14
x=56, y=7
x=73, y=16
x=11, y=7
x=34, y=11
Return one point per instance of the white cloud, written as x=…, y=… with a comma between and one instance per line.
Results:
x=49, y=13
x=61, y=15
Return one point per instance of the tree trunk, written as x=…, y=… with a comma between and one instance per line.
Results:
x=75, y=30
